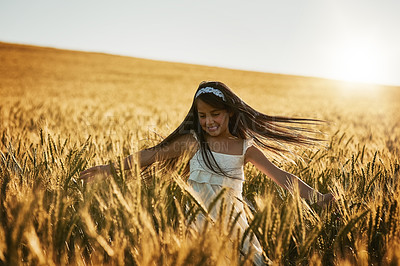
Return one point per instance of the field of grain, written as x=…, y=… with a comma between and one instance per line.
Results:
x=63, y=111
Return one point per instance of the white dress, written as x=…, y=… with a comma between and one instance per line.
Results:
x=207, y=184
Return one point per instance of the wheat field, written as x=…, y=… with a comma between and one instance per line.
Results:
x=64, y=111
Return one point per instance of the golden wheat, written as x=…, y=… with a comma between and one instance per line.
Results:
x=62, y=111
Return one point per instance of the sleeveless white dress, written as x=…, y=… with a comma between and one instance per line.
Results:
x=207, y=184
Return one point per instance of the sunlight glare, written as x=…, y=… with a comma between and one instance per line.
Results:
x=359, y=61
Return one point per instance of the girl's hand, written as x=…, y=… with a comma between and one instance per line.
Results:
x=325, y=199
x=89, y=174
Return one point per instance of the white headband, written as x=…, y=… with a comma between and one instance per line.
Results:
x=212, y=90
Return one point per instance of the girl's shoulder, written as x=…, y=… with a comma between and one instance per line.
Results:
x=247, y=143
x=188, y=139
x=193, y=134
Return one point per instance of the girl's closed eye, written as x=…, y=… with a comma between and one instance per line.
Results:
x=213, y=114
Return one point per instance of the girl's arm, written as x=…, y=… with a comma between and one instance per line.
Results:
x=185, y=143
x=283, y=178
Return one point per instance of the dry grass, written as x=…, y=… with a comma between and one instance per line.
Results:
x=62, y=111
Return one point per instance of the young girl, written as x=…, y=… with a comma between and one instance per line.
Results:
x=222, y=133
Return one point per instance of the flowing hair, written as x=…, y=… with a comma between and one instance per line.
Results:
x=268, y=132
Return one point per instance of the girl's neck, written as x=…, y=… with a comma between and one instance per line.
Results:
x=224, y=137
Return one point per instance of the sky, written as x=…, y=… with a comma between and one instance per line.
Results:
x=353, y=40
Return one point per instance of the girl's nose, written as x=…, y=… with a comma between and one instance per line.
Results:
x=209, y=120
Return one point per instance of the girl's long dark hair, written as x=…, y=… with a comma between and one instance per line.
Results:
x=268, y=132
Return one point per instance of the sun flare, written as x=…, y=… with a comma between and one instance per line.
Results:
x=359, y=61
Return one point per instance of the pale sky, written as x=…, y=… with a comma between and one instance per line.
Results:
x=339, y=39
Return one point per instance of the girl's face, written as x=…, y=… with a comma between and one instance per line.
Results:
x=213, y=121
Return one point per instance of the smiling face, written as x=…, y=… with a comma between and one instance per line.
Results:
x=213, y=121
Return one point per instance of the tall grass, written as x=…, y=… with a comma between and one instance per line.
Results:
x=63, y=111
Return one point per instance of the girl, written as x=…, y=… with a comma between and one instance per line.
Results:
x=222, y=133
